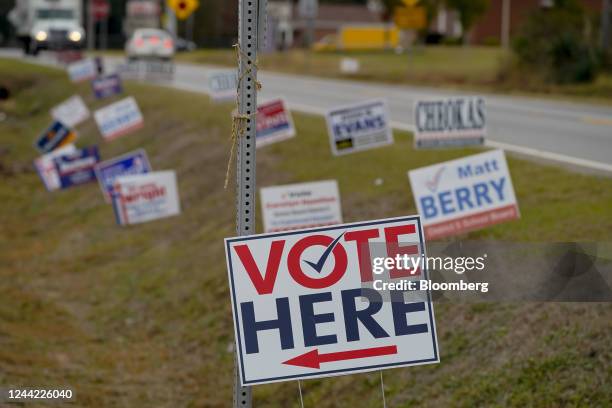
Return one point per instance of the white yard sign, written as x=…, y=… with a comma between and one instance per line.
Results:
x=457, y=121
x=223, y=86
x=71, y=112
x=359, y=127
x=463, y=195
x=301, y=310
x=305, y=205
x=83, y=70
x=45, y=166
x=119, y=118
x=145, y=197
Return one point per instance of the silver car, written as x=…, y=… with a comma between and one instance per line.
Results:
x=150, y=43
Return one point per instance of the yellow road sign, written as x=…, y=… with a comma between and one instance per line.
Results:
x=410, y=3
x=410, y=18
x=183, y=8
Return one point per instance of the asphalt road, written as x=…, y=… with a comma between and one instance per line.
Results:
x=573, y=133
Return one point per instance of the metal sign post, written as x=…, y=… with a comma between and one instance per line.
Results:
x=251, y=23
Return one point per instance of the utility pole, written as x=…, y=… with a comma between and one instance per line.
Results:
x=505, y=23
x=606, y=14
x=251, y=32
x=91, y=35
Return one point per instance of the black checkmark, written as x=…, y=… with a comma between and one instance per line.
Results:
x=319, y=265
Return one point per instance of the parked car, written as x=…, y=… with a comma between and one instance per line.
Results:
x=182, y=44
x=150, y=43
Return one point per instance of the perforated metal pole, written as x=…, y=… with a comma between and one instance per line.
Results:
x=251, y=18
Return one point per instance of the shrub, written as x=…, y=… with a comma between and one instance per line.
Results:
x=555, y=43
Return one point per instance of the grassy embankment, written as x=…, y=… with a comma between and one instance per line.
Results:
x=466, y=68
x=140, y=316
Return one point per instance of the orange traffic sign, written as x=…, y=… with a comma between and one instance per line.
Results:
x=183, y=8
x=410, y=18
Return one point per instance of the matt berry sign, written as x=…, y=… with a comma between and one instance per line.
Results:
x=301, y=311
x=463, y=195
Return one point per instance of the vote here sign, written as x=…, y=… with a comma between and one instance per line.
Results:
x=458, y=121
x=358, y=127
x=463, y=195
x=301, y=309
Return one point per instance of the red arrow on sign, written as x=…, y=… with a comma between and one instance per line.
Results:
x=313, y=359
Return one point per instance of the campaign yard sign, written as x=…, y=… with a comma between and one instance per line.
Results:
x=45, y=166
x=223, y=85
x=145, y=197
x=274, y=123
x=304, y=205
x=131, y=163
x=118, y=118
x=463, y=195
x=449, y=122
x=349, y=65
x=301, y=310
x=71, y=112
x=85, y=69
x=106, y=86
x=55, y=136
x=77, y=168
x=359, y=127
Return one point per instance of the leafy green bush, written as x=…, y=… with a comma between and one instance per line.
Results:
x=555, y=43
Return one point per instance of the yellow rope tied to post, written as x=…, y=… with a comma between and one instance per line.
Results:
x=239, y=121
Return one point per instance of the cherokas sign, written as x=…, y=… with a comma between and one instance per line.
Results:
x=303, y=307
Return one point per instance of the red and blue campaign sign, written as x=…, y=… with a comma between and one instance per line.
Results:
x=55, y=136
x=464, y=195
x=274, y=123
x=106, y=86
x=305, y=306
x=77, y=168
x=128, y=164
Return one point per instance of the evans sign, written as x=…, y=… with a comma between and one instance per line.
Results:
x=359, y=127
x=450, y=122
x=304, y=205
x=463, y=195
x=119, y=118
x=301, y=311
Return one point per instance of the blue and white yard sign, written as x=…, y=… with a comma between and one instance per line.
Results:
x=85, y=69
x=119, y=118
x=77, y=168
x=135, y=162
x=55, y=136
x=362, y=126
x=106, y=86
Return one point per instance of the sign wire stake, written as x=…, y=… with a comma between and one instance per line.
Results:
x=301, y=397
x=382, y=387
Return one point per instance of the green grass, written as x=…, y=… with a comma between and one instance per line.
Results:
x=464, y=68
x=140, y=316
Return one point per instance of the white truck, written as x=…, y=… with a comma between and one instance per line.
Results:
x=48, y=24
